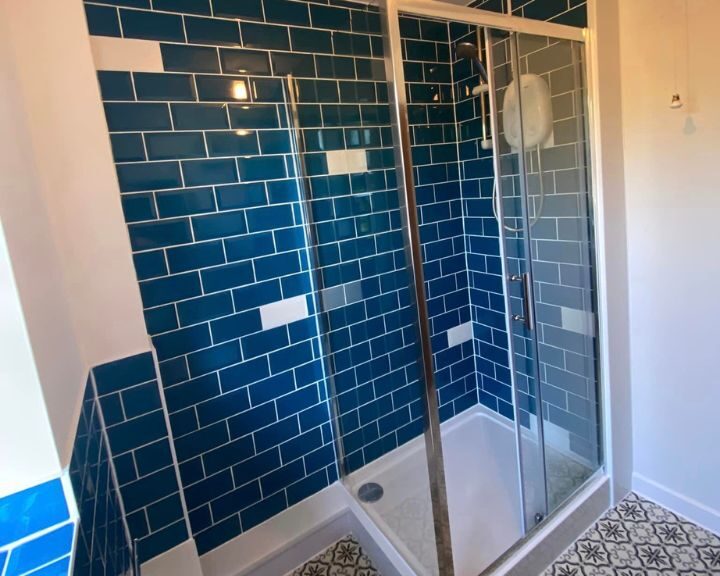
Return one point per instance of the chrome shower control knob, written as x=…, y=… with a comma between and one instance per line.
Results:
x=515, y=278
x=518, y=318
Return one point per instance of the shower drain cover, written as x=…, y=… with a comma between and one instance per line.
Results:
x=370, y=492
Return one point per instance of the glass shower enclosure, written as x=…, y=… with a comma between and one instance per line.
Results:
x=449, y=210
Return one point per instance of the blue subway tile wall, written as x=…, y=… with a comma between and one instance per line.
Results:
x=569, y=12
x=103, y=544
x=210, y=195
x=481, y=235
x=561, y=251
x=212, y=200
x=129, y=399
x=36, y=530
x=429, y=76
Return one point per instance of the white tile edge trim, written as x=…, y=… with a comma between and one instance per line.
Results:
x=283, y=312
x=682, y=505
x=182, y=560
x=460, y=334
x=126, y=54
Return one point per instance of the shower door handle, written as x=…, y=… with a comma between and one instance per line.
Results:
x=528, y=317
x=529, y=308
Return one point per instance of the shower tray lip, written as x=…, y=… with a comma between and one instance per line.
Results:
x=395, y=457
x=492, y=444
x=312, y=524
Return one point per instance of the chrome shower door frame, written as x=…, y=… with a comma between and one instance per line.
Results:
x=395, y=76
x=390, y=14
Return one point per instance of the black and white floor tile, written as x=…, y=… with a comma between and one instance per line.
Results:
x=344, y=558
x=640, y=538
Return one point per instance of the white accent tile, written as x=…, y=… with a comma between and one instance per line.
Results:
x=459, y=334
x=357, y=161
x=346, y=161
x=578, y=321
x=353, y=292
x=283, y=312
x=333, y=297
x=126, y=54
x=337, y=162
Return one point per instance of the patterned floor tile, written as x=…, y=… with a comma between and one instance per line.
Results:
x=344, y=558
x=640, y=538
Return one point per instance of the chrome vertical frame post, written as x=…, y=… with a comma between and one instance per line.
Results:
x=413, y=250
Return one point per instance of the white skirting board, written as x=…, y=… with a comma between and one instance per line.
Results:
x=684, y=506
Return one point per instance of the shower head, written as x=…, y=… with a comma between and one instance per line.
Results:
x=468, y=51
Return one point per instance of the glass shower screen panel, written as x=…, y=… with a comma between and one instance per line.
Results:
x=363, y=284
x=515, y=212
x=562, y=262
x=547, y=217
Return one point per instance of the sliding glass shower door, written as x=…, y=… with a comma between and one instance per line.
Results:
x=543, y=200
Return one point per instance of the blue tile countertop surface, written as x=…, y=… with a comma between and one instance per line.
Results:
x=36, y=531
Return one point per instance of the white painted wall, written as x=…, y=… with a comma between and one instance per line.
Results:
x=60, y=206
x=672, y=181
x=27, y=449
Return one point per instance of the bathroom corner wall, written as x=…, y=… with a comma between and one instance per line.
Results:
x=210, y=194
x=485, y=267
x=66, y=241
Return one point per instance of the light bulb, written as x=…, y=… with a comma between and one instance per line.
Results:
x=676, y=102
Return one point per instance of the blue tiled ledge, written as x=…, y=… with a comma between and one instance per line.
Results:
x=129, y=398
x=36, y=531
x=30, y=511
